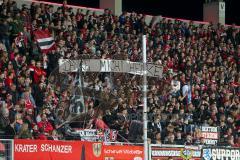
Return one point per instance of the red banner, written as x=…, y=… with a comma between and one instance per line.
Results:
x=57, y=150
x=123, y=152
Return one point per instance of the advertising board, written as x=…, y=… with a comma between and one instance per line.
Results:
x=60, y=150
x=123, y=152
x=163, y=152
x=221, y=153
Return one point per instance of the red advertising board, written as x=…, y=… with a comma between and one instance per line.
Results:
x=115, y=152
x=57, y=150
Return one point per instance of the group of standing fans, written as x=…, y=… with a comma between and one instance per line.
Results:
x=200, y=87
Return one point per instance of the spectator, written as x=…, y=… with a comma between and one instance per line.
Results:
x=39, y=95
x=28, y=99
x=13, y=92
x=170, y=139
x=157, y=139
x=99, y=123
x=38, y=73
x=179, y=138
x=188, y=140
x=10, y=132
x=4, y=33
x=4, y=116
x=45, y=124
x=19, y=123
x=175, y=86
x=54, y=136
x=155, y=126
x=41, y=135
x=24, y=132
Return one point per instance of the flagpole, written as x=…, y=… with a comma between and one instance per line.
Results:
x=81, y=85
x=145, y=97
x=81, y=82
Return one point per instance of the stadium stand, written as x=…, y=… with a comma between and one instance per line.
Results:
x=201, y=86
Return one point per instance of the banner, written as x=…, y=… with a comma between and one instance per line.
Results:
x=110, y=135
x=175, y=151
x=96, y=135
x=118, y=152
x=103, y=65
x=221, y=153
x=56, y=150
x=210, y=135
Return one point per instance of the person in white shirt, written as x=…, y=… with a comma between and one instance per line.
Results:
x=186, y=92
x=175, y=84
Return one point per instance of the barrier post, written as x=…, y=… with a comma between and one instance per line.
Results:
x=145, y=97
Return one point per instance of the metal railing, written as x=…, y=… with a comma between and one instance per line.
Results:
x=6, y=149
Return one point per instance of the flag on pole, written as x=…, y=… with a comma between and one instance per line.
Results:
x=45, y=40
x=77, y=100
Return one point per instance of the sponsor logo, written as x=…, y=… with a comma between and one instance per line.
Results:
x=137, y=158
x=108, y=158
x=207, y=154
x=186, y=154
x=221, y=154
x=97, y=149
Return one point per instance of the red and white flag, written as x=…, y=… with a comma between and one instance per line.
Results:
x=45, y=40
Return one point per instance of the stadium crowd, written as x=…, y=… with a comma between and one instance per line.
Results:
x=201, y=84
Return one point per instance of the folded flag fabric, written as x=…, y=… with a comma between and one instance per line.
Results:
x=77, y=99
x=45, y=40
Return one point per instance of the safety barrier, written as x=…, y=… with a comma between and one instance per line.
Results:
x=6, y=149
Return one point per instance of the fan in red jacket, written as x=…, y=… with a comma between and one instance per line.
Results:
x=47, y=126
x=38, y=73
x=9, y=79
x=41, y=135
x=99, y=123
